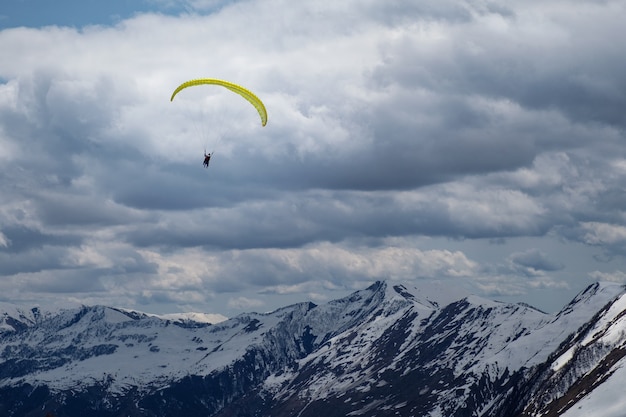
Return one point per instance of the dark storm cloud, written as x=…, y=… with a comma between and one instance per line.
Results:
x=67, y=281
x=535, y=260
x=400, y=160
x=148, y=187
x=72, y=282
x=32, y=261
x=574, y=68
x=445, y=119
x=300, y=218
x=395, y=149
x=79, y=210
x=22, y=239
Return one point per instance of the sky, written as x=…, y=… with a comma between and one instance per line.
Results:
x=479, y=144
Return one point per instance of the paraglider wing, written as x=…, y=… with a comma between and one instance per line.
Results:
x=243, y=92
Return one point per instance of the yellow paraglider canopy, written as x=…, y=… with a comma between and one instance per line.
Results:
x=243, y=92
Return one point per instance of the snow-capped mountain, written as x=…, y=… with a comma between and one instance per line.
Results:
x=585, y=376
x=386, y=350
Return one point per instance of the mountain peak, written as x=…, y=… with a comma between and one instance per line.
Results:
x=587, y=301
x=430, y=294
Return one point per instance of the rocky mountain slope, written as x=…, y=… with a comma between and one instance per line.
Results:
x=387, y=350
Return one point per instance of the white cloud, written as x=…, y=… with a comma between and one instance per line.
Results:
x=388, y=122
x=4, y=242
x=597, y=233
x=244, y=303
x=615, y=276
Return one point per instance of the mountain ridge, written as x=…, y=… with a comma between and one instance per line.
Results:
x=390, y=349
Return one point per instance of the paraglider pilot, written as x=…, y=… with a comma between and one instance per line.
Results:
x=207, y=158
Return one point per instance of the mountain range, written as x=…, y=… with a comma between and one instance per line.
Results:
x=387, y=350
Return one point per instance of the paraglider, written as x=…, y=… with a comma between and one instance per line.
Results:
x=243, y=92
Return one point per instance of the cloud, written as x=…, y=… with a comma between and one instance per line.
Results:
x=602, y=233
x=391, y=127
x=244, y=303
x=290, y=271
x=534, y=262
x=4, y=242
x=615, y=276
